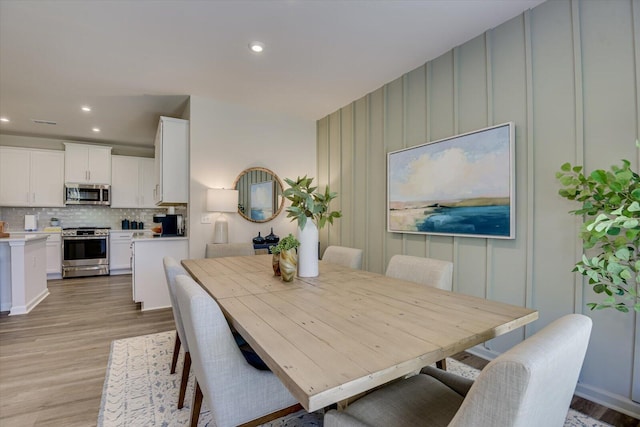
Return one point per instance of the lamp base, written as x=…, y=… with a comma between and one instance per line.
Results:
x=221, y=231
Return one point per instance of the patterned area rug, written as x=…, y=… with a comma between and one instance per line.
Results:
x=140, y=391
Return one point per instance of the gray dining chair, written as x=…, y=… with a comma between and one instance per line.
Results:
x=217, y=250
x=235, y=392
x=425, y=271
x=345, y=256
x=172, y=269
x=530, y=385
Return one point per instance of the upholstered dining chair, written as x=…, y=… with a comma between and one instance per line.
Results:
x=425, y=271
x=172, y=269
x=342, y=255
x=217, y=250
x=530, y=385
x=234, y=391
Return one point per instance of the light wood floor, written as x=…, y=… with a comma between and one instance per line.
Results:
x=53, y=360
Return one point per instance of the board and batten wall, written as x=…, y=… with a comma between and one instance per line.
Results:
x=567, y=73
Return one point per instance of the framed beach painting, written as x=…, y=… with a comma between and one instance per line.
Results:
x=261, y=200
x=458, y=186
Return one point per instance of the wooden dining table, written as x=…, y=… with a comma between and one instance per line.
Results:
x=335, y=336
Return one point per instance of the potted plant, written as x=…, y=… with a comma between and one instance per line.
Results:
x=285, y=256
x=310, y=208
x=610, y=233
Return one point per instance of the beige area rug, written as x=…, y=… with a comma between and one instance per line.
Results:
x=139, y=390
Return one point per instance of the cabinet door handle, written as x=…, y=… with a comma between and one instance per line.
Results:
x=89, y=174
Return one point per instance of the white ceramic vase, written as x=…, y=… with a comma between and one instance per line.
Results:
x=308, y=250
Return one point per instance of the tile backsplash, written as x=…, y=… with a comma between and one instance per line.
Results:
x=82, y=216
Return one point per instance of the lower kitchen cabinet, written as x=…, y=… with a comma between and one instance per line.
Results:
x=53, y=252
x=149, y=282
x=120, y=252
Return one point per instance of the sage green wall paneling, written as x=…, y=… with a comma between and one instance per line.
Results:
x=555, y=139
x=324, y=134
x=471, y=112
x=567, y=74
x=507, y=259
x=415, y=112
x=376, y=177
x=360, y=196
x=334, y=178
x=610, y=123
x=394, y=138
x=346, y=180
x=441, y=125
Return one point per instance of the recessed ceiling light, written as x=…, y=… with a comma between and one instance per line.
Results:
x=96, y=129
x=256, y=47
x=86, y=108
x=4, y=119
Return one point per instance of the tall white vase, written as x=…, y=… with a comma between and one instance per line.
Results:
x=308, y=250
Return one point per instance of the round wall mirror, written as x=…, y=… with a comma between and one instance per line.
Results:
x=259, y=194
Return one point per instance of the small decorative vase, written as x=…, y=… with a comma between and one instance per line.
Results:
x=275, y=262
x=288, y=264
x=308, y=250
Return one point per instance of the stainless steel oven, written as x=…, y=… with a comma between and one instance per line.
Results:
x=85, y=251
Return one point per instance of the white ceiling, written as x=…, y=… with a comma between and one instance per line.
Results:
x=133, y=60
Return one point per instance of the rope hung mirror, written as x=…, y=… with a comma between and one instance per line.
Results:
x=260, y=194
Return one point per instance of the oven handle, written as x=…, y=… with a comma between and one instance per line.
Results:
x=83, y=237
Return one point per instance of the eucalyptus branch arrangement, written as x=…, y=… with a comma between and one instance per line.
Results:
x=610, y=233
x=306, y=202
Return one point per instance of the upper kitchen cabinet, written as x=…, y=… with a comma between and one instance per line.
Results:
x=31, y=177
x=87, y=164
x=172, y=162
x=133, y=182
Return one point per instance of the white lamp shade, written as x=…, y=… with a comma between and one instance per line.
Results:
x=222, y=200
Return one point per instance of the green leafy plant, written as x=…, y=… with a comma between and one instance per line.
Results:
x=306, y=202
x=289, y=242
x=610, y=233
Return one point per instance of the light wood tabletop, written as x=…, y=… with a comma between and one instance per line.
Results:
x=334, y=336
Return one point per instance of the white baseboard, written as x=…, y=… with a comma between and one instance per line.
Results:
x=595, y=394
x=24, y=309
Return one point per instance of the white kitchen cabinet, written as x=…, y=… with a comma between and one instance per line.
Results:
x=172, y=162
x=120, y=252
x=133, y=182
x=149, y=282
x=87, y=164
x=31, y=177
x=54, y=256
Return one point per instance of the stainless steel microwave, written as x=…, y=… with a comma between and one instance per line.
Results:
x=87, y=194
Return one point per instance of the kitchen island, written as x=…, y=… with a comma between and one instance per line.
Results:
x=148, y=279
x=23, y=273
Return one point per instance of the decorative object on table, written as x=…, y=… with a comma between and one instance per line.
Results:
x=258, y=240
x=271, y=238
x=287, y=257
x=610, y=232
x=55, y=222
x=222, y=201
x=458, y=186
x=307, y=203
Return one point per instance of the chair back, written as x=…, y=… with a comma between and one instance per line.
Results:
x=342, y=255
x=233, y=390
x=532, y=384
x=425, y=271
x=219, y=250
x=172, y=269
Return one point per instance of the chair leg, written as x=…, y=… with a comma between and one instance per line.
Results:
x=197, y=404
x=185, y=379
x=442, y=364
x=176, y=351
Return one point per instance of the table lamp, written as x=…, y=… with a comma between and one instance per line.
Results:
x=221, y=200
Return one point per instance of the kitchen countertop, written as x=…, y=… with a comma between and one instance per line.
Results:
x=27, y=238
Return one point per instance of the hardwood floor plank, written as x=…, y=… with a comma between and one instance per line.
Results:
x=53, y=360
